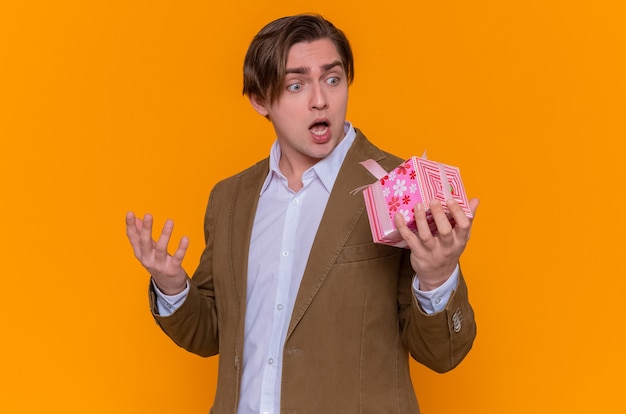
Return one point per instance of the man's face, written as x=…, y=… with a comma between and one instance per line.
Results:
x=309, y=115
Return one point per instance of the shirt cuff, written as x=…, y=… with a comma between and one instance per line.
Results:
x=435, y=300
x=168, y=304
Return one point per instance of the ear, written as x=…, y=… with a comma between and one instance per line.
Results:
x=258, y=105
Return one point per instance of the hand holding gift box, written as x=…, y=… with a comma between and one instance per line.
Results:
x=417, y=180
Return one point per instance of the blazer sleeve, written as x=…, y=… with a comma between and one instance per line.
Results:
x=194, y=325
x=441, y=340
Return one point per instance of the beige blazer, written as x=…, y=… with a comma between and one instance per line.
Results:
x=355, y=318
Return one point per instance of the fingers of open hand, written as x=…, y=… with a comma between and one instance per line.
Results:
x=160, y=248
x=133, y=226
x=159, y=262
x=154, y=255
x=131, y=229
x=146, y=244
x=179, y=254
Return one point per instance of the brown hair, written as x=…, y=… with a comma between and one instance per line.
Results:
x=266, y=60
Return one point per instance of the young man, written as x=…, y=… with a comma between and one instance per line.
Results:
x=307, y=313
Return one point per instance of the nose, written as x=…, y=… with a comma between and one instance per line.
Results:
x=318, y=99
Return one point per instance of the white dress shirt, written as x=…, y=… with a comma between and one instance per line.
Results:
x=284, y=228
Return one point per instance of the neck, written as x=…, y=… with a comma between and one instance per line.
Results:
x=293, y=171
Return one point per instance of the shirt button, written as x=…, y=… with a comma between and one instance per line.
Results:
x=295, y=201
x=285, y=253
x=437, y=301
x=270, y=361
x=280, y=307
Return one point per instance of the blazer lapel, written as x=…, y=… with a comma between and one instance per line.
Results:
x=245, y=199
x=340, y=216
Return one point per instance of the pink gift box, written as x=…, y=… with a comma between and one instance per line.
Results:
x=417, y=180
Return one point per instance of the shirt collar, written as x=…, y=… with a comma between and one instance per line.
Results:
x=326, y=169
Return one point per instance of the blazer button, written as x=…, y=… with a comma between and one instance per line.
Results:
x=457, y=318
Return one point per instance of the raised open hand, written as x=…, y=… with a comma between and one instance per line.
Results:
x=166, y=270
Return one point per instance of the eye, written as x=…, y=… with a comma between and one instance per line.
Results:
x=294, y=87
x=334, y=80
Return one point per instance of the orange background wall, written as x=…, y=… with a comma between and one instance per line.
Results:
x=107, y=106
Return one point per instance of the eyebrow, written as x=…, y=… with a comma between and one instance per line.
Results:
x=306, y=70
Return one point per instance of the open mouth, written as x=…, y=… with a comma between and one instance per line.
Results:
x=319, y=128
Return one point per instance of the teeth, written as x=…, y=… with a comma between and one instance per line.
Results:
x=319, y=132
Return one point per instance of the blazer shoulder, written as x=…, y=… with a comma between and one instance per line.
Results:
x=253, y=173
x=367, y=150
